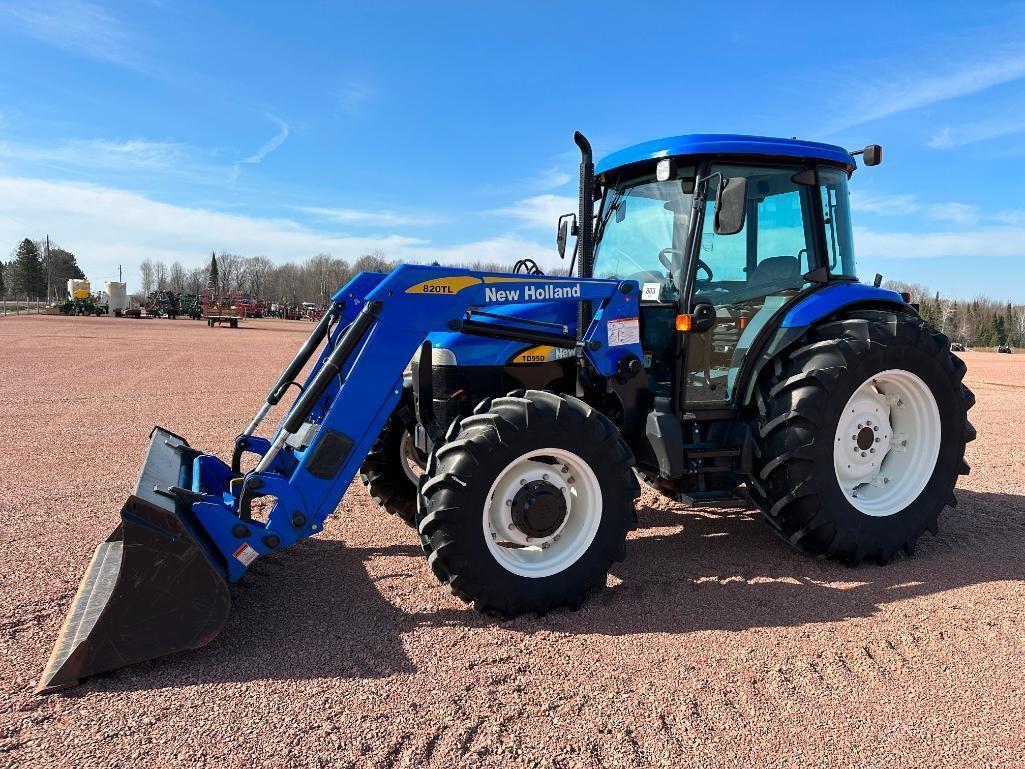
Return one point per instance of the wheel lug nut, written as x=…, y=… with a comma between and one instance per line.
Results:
x=544, y=477
x=512, y=527
x=523, y=481
x=564, y=469
x=871, y=451
x=508, y=503
x=876, y=428
x=864, y=454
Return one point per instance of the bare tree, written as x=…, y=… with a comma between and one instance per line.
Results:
x=160, y=274
x=375, y=261
x=195, y=280
x=146, y=276
x=230, y=268
x=176, y=278
x=256, y=271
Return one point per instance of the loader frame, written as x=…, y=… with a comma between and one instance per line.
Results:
x=374, y=327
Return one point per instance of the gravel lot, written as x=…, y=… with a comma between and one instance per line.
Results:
x=714, y=645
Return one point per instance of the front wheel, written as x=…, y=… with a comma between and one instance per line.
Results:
x=527, y=504
x=391, y=472
x=861, y=435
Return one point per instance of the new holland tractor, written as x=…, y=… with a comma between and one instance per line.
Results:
x=712, y=338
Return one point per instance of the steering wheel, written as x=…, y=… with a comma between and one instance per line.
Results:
x=708, y=271
x=663, y=257
x=529, y=266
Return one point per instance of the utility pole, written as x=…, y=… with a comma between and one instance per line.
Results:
x=49, y=269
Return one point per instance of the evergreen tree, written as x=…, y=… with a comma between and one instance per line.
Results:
x=61, y=267
x=28, y=278
x=214, y=278
x=3, y=286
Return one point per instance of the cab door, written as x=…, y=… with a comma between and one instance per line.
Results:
x=746, y=277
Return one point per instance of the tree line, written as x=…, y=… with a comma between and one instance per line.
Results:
x=312, y=280
x=979, y=322
x=38, y=269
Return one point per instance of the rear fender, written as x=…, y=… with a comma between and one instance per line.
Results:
x=812, y=309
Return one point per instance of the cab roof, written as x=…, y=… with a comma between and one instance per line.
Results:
x=725, y=144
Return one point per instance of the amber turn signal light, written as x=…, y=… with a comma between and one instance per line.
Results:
x=684, y=322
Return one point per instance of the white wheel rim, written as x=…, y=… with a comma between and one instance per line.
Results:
x=411, y=465
x=542, y=557
x=887, y=443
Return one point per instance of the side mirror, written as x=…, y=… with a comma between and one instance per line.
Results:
x=731, y=206
x=873, y=155
x=563, y=233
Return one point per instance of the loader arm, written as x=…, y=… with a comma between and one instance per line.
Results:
x=158, y=584
x=350, y=393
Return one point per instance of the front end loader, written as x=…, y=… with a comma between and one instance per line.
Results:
x=714, y=343
x=159, y=583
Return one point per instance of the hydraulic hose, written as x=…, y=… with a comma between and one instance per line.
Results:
x=312, y=342
x=331, y=367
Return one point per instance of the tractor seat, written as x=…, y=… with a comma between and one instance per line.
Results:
x=776, y=272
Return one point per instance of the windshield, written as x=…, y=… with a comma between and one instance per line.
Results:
x=642, y=233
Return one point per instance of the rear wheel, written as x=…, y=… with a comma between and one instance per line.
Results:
x=527, y=504
x=861, y=435
x=391, y=471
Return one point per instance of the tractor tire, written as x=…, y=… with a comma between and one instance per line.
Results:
x=527, y=503
x=386, y=472
x=860, y=436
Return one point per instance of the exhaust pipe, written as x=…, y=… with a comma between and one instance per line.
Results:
x=585, y=231
x=586, y=207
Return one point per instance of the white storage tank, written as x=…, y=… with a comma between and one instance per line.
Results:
x=78, y=289
x=117, y=296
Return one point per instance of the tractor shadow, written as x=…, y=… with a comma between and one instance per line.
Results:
x=313, y=611
x=316, y=611
x=731, y=572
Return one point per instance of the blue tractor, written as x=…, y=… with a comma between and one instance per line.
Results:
x=712, y=339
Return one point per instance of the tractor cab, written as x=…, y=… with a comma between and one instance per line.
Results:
x=721, y=233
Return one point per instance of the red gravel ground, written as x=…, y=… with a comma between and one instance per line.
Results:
x=714, y=645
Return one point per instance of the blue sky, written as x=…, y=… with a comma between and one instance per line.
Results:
x=443, y=130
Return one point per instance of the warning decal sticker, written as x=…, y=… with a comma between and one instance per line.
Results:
x=245, y=554
x=650, y=292
x=624, y=331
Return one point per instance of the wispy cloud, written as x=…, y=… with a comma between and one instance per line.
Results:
x=885, y=205
x=987, y=241
x=107, y=227
x=550, y=179
x=78, y=26
x=109, y=154
x=950, y=137
x=902, y=86
x=382, y=218
x=540, y=211
x=960, y=214
x=354, y=96
x=271, y=144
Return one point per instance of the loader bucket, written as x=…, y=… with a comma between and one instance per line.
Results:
x=150, y=589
